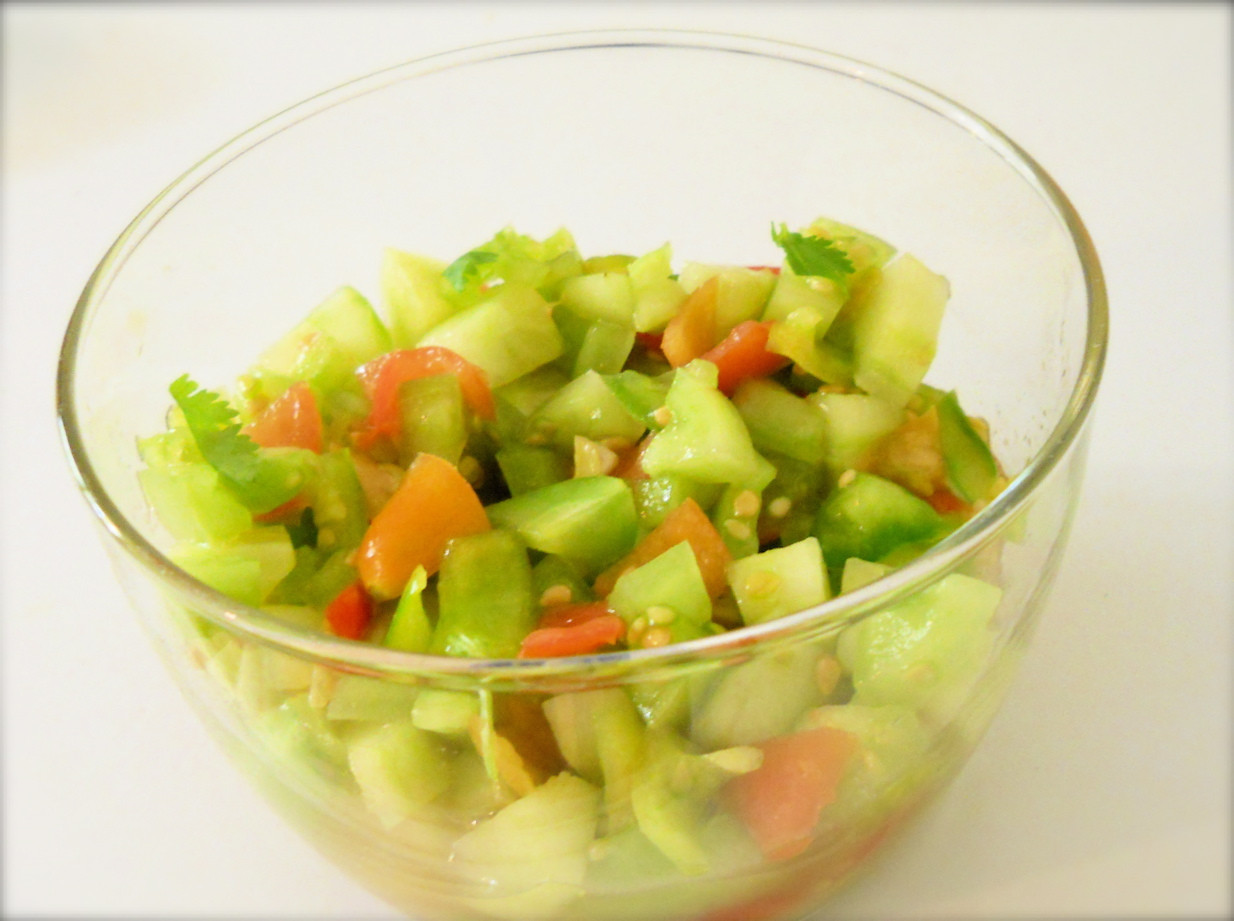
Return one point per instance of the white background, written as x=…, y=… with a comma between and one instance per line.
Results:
x=1103, y=787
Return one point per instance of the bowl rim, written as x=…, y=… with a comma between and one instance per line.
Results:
x=368, y=658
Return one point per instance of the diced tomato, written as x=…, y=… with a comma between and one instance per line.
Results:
x=292, y=420
x=629, y=462
x=382, y=376
x=583, y=632
x=650, y=341
x=945, y=501
x=773, y=269
x=686, y=522
x=780, y=801
x=743, y=354
x=573, y=613
x=433, y=505
x=350, y=613
x=693, y=330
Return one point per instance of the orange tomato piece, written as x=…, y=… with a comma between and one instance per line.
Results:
x=780, y=801
x=743, y=354
x=686, y=522
x=433, y=505
x=292, y=420
x=693, y=330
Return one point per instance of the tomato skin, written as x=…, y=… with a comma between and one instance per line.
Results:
x=742, y=354
x=292, y=420
x=382, y=376
x=573, y=630
x=350, y=613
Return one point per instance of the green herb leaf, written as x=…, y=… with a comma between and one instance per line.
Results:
x=259, y=482
x=809, y=255
x=466, y=267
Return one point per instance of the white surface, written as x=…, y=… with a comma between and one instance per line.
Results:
x=1104, y=786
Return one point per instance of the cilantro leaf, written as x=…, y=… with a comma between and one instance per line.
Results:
x=466, y=267
x=259, y=482
x=809, y=255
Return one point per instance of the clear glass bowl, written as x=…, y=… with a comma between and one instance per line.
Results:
x=630, y=139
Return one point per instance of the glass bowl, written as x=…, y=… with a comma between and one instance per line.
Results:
x=630, y=139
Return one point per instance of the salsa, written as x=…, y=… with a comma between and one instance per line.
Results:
x=528, y=453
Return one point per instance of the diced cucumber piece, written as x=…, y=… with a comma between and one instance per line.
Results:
x=800, y=337
x=340, y=334
x=855, y=422
x=526, y=468
x=484, y=597
x=895, y=331
x=640, y=394
x=669, y=806
x=174, y=446
x=446, y=712
x=433, y=418
x=555, y=580
x=817, y=296
x=604, y=349
x=409, y=628
x=340, y=513
x=588, y=520
x=606, y=296
x=415, y=295
x=297, y=735
x=585, y=406
x=399, y=769
x=615, y=263
x=529, y=392
x=323, y=582
x=247, y=568
x=669, y=704
x=360, y=697
x=706, y=438
x=791, y=502
x=926, y=651
x=668, y=591
x=759, y=699
x=859, y=572
x=193, y=503
x=741, y=293
x=509, y=334
x=600, y=735
x=869, y=517
x=264, y=677
x=655, y=497
x=539, y=840
x=971, y=470
x=779, y=581
x=657, y=295
x=864, y=250
x=779, y=421
x=735, y=516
